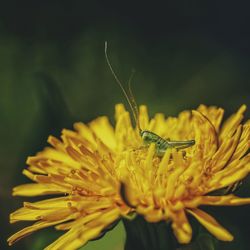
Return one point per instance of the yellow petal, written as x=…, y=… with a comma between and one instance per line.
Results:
x=230, y=177
x=104, y=131
x=41, y=209
x=73, y=234
x=244, y=143
x=211, y=224
x=81, y=233
x=231, y=124
x=84, y=132
x=53, y=154
x=154, y=215
x=164, y=163
x=49, y=203
x=227, y=200
x=25, y=214
x=143, y=117
x=181, y=227
x=35, y=189
x=214, y=114
x=57, y=144
x=35, y=227
x=226, y=150
x=207, y=135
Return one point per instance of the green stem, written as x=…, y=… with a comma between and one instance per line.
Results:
x=148, y=236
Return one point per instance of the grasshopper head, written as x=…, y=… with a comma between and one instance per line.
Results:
x=148, y=137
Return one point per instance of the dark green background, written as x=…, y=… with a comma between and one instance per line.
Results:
x=53, y=73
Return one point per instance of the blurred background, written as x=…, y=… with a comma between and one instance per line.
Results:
x=53, y=73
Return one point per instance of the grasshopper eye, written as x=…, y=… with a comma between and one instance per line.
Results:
x=146, y=137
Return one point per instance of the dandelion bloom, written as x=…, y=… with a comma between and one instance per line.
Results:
x=100, y=174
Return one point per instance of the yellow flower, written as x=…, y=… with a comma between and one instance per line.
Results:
x=100, y=174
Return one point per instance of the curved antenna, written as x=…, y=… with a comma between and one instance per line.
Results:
x=130, y=101
x=133, y=101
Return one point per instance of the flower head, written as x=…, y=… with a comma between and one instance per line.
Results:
x=100, y=174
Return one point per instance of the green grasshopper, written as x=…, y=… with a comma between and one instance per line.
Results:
x=148, y=137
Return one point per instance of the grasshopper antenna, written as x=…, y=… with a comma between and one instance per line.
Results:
x=133, y=101
x=130, y=98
